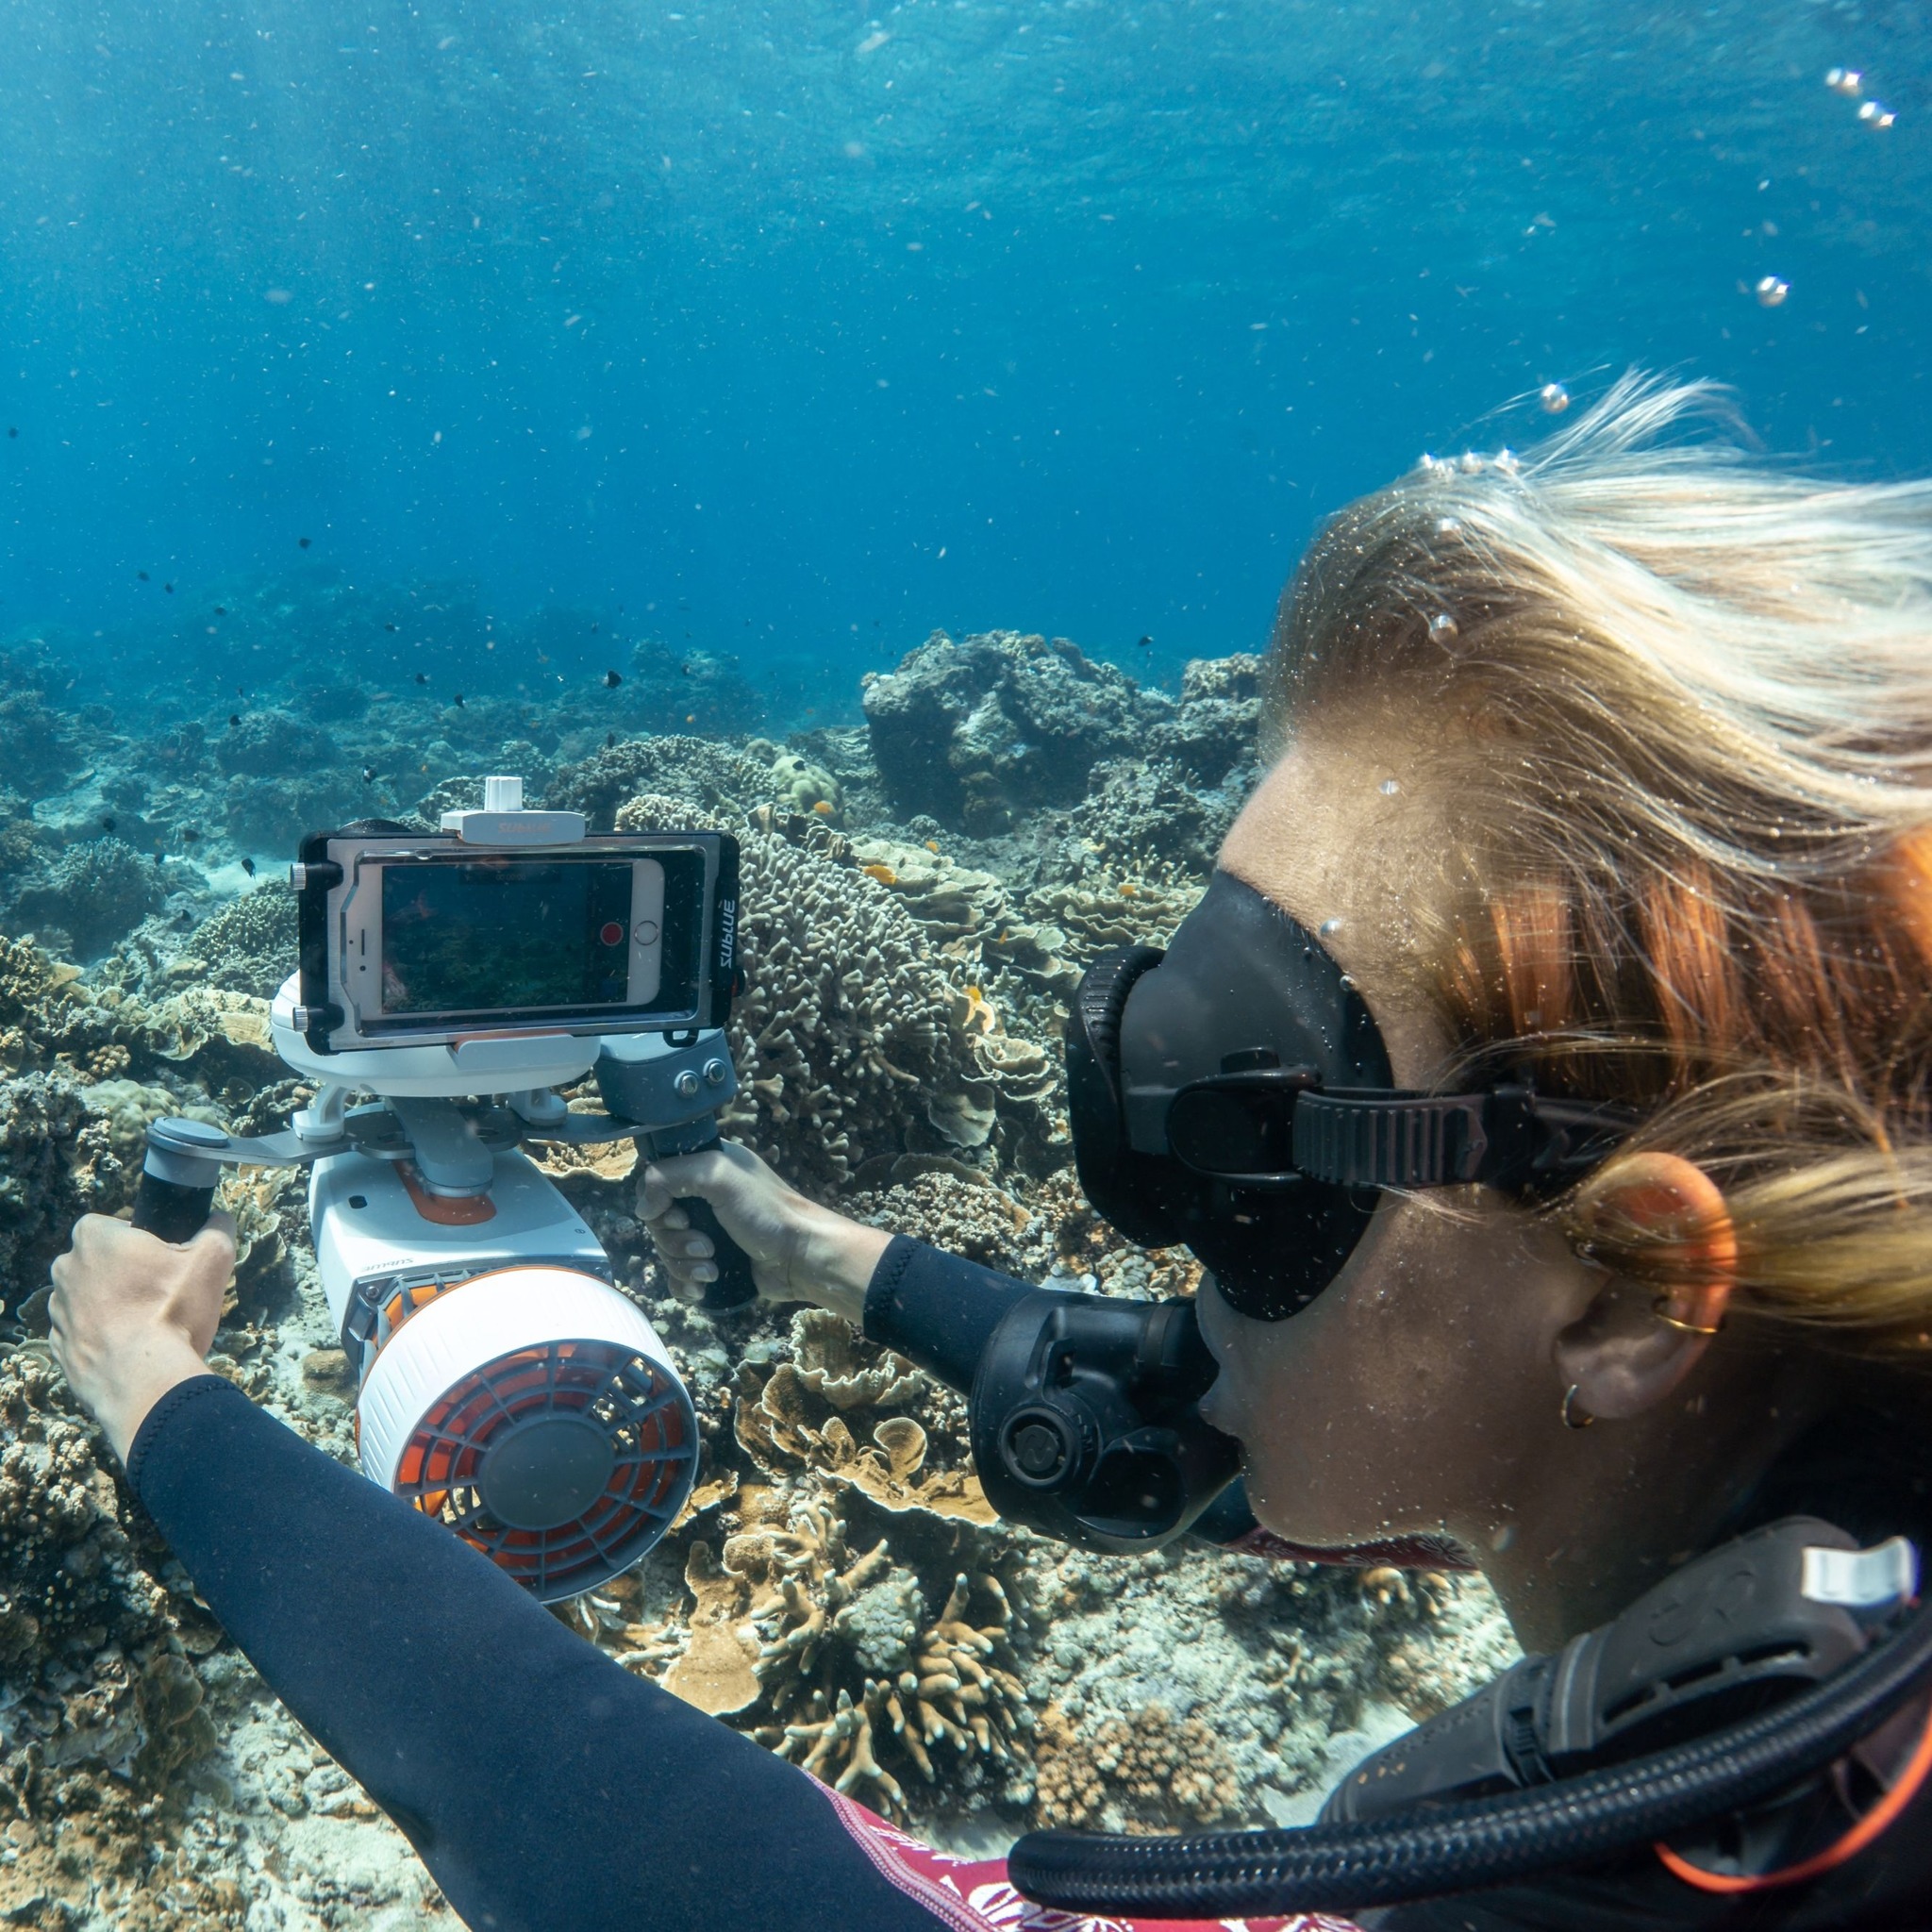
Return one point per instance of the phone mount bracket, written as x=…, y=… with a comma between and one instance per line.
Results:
x=502, y=819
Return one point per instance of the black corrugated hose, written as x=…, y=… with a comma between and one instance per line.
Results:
x=1480, y=1842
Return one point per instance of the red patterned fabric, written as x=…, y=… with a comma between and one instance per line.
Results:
x=975, y=1895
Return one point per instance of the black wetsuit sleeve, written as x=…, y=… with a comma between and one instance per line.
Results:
x=935, y=1308
x=544, y=1785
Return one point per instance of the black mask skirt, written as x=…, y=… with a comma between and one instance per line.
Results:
x=1233, y=1094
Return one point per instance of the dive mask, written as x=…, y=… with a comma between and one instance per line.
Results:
x=1233, y=1093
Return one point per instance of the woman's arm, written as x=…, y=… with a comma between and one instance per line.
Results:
x=542, y=1784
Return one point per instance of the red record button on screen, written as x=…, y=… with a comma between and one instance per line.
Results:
x=611, y=933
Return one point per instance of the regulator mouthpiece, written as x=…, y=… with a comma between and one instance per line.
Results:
x=535, y=1411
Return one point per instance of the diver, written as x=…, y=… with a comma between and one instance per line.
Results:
x=1544, y=1083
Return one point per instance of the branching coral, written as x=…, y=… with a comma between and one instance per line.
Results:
x=697, y=769
x=90, y=894
x=249, y=946
x=975, y=1218
x=52, y=1168
x=1147, y=1772
x=943, y=1682
x=83, y=1629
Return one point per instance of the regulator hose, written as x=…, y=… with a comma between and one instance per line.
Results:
x=1478, y=1842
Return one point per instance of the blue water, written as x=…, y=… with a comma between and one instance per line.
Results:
x=795, y=331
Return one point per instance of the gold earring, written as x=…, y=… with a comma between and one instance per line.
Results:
x=1575, y=1418
x=1661, y=1310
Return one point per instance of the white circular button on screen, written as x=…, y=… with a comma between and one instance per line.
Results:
x=645, y=932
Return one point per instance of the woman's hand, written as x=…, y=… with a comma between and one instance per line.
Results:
x=799, y=1251
x=134, y=1315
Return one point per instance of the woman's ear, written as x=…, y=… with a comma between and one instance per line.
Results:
x=1634, y=1345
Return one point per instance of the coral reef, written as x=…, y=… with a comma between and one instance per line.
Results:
x=82, y=901
x=852, y=1036
x=921, y=893
x=691, y=769
x=249, y=946
x=977, y=731
x=1141, y=1773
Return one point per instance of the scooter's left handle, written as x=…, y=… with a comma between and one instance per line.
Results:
x=178, y=1177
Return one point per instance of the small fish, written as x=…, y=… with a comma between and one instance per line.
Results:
x=160, y=859
x=141, y=574
x=108, y=824
x=12, y=431
x=234, y=721
x=685, y=669
x=188, y=835
x=169, y=588
x=221, y=610
x=388, y=626
x=457, y=701
x=593, y=630
x=884, y=874
x=422, y=677
x=1146, y=643
x=609, y=741
x=248, y=866
x=369, y=774
x=303, y=542
x=612, y=679
x=932, y=844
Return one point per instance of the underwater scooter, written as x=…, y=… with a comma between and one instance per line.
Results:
x=505, y=1385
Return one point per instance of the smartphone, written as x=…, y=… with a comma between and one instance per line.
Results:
x=419, y=940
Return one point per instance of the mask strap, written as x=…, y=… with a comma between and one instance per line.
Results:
x=1510, y=1137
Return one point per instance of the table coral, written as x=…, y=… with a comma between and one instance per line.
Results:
x=834, y=1362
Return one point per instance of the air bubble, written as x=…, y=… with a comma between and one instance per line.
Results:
x=1771, y=291
x=1348, y=982
x=1389, y=787
x=1447, y=527
x=1444, y=628
x=1554, y=398
x=1329, y=927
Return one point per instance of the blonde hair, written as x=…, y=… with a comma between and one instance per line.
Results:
x=1685, y=710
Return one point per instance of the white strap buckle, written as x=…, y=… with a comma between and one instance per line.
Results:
x=1861, y=1580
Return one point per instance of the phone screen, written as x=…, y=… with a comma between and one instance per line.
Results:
x=521, y=934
